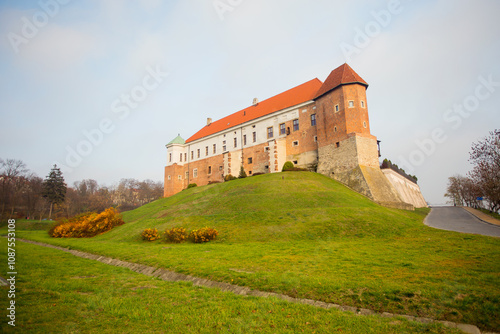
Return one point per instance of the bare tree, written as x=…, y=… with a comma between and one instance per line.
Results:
x=10, y=172
x=485, y=156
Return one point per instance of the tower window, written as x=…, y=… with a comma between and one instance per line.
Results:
x=179, y=177
x=180, y=157
x=169, y=177
x=215, y=148
x=235, y=142
x=198, y=153
x=254, y=136
x=170, y=157
x=209, y=170
x=351, y=104
x=192, y=155
x=295, y=125
x=315, y=139
x=362, y=104
x=295, y=143
x=250, y=160
x=336, y=108
x=313, y=120
x=364, y=124
x=206, y=150
x=244, y=139
x=195, y=173
x=334, y=129
x=337, y=144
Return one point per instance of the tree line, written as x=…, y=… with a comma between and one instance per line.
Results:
x=23, y=194
x=483, y=181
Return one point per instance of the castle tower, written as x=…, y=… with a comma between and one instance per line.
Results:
x=347, y=151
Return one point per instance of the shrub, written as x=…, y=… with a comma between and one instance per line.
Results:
x=87, y=225
x=288, y=166
x=192, y=185
x=204, y=234
x=242, y=173
x=150, y=234
x=176, y=235
x=229, y=177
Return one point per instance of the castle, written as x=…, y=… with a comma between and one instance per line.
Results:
x=323, y=123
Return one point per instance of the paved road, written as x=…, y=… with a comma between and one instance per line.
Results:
x=457, y=219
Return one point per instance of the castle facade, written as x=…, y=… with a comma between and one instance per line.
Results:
x=323, y=123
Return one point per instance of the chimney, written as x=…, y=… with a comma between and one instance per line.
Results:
x=209, y=121
x=255, y=101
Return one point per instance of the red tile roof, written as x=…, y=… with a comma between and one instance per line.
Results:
x=300, y=94
x=342, y=75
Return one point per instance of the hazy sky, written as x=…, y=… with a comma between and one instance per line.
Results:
x=99, y=87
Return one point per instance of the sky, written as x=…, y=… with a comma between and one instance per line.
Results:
x=99, y=87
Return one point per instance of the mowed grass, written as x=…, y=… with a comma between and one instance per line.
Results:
x=307, y=236
x=57, y=292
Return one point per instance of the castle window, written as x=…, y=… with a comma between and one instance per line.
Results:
x=351, y=104
x=180, y=157
x=249, y=172
x=364, y=124
x=187, y=175
x=170, y=157
x=315, y=139
x=179, y=177
x=336, y=108
x=215, y=148
x=282, y=129
x=224, y=142
x=244, y=139
x=295, y=143
x=295, y=125
x=362, y=104
x=198, y=153
x=250, y=160
x=295, y=162
x=254, y=136
x=192, y=155
x=270, y=132
x=334, y=129
x=313, y=120
x=235, y=142
x=195, y=173
x=185, y=157
x=337, y=144
x=206, y=150
x=209, y=170
x=224, y=148
x=169, y=177
x=266, y=149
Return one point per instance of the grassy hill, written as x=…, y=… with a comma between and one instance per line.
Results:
x=284, y=206
x=307, y=236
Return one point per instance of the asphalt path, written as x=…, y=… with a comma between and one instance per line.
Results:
x=456, y=219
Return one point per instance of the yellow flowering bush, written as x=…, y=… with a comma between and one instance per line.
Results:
x=204, y=234
x=176, y=235
x=87, y=225
x=150, y=234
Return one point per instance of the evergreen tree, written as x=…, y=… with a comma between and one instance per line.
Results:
x=242, y=173
x=54, y=188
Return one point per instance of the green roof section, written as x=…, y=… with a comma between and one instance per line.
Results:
x=177, y=140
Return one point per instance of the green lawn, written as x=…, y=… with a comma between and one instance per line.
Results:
x=307, y=236
x=60, y=293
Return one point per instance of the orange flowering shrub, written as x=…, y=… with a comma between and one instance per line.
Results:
x=176, y=235
x=87, y=225
x=150, y=234
x=204, y=234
